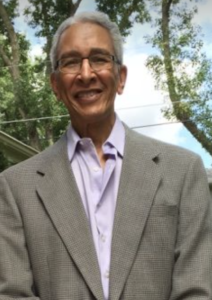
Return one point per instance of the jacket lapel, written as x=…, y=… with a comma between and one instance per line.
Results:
x=60, y=195
x=138, y=184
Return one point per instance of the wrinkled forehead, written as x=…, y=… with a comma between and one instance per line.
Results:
x=82, y=36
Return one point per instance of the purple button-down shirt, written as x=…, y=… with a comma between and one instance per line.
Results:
x=98, y=188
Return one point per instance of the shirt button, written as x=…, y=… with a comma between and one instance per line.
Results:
x=103, y=238
x=107, y=274
x=96, y=169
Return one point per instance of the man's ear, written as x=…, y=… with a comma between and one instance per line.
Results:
x=54, y=84
x=122, y=79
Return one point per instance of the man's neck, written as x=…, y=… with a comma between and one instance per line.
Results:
x=98, y=132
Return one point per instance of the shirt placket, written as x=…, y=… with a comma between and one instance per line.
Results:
x=100, y=206
x=104, y=222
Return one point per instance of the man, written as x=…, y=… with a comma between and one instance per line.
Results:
x=105, y=213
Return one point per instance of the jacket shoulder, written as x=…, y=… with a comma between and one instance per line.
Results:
x=34, y=163
x=167, y=152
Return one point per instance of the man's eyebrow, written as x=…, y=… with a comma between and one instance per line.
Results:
x=92, y=51
x=99, y=50
x=70, y=53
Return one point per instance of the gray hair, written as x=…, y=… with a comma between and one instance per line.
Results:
x=90, y=17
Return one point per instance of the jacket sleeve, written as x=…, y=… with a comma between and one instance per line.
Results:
x=192, y=273
x=16, y=278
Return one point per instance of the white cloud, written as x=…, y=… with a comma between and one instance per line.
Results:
x=204, y=12
x=141, y=103
x=87, y=5
x=36, y=51
x=23, y=4
x=140, y=91
x=170, y=133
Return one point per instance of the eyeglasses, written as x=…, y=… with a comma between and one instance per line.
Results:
x=98, y=62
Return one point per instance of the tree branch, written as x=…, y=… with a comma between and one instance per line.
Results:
x=195, y=131
x=10, y=30
x=5, y=57
x=181, y=115
x=73, y=7
x=13, y=40
x=5, y=18
x=76, y=5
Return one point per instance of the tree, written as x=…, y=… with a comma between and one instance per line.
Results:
x=181, y=68
x=124, y=12
x=4, y=162
x=46, y=15
x=25, y=90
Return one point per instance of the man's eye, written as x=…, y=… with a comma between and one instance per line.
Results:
x=70, y=62
x=99, y=59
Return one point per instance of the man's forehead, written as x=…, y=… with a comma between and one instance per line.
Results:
x=92, y=51
x=80, y=37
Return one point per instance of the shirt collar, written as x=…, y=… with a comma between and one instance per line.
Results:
x=72, y=141
x=116, y=139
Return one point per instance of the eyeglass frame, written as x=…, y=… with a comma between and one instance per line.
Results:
x=113, y=60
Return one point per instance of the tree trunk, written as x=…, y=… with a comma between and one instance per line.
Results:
x=174, y=97
x=13, y=65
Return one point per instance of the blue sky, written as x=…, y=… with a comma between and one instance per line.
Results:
x=141, y=103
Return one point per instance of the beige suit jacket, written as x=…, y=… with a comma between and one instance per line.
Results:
x=162, y=235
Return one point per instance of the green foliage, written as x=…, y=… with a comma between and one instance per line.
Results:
x=186, y=79
x=36, y=101
x=182, y=70
x=46, y=15
x=125, y=13
x=28, y=97
x=11, y=8
x=4, y=162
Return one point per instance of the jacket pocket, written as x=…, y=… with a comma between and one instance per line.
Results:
x=164, y=210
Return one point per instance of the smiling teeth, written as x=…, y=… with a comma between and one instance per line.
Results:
x=86, y=94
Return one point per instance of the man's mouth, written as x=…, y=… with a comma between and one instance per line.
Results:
x=88, y=95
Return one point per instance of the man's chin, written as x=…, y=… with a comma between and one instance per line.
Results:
x=94, y=116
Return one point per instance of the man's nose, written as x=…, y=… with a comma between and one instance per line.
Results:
x=86, y=73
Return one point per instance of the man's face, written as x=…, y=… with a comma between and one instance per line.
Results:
x=88, y=95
